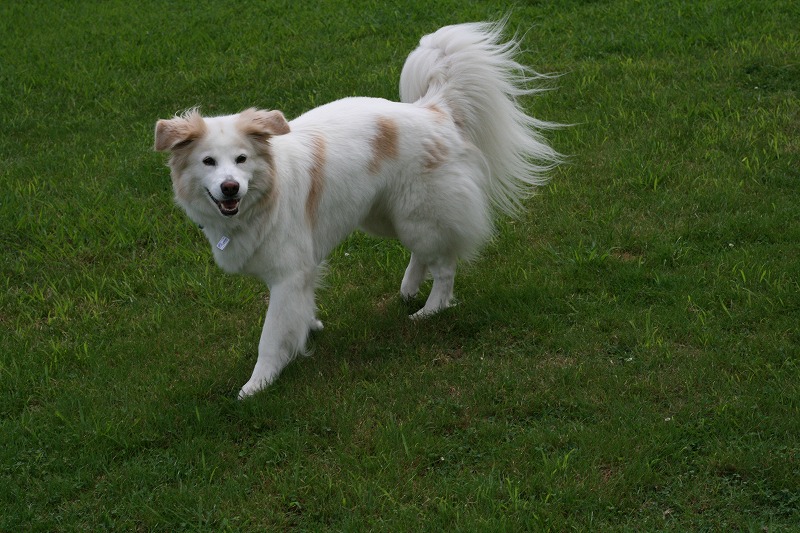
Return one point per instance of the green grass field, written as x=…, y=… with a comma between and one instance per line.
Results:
x=623, y=357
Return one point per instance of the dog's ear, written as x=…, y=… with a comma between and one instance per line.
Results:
x=179, y=131
x=262, y=124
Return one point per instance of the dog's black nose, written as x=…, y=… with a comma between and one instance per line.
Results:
x=229, y=188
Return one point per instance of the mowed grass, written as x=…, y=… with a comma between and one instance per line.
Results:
x=623, y=357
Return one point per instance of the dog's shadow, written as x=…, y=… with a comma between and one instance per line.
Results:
x=388, y=335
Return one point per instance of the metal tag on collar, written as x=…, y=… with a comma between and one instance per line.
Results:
x=223, y=242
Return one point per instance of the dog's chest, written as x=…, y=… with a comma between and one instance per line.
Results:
x=232, y=251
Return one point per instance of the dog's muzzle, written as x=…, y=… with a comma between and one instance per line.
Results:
x=227, y=206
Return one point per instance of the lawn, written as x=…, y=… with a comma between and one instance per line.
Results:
x=625, y=356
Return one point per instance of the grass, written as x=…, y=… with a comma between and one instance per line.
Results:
x=624, y=356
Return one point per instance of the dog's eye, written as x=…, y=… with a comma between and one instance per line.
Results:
x=209, y=162
x=241, y=159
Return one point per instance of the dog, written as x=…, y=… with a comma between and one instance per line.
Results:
x=434, y=170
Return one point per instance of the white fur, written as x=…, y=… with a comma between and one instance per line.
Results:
x=430, y=172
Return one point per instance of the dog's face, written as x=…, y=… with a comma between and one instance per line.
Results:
x=220, y=165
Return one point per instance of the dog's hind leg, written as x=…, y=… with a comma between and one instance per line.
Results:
x=415, y=273
x=441, y=296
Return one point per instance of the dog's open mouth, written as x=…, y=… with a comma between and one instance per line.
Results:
x=228, y=207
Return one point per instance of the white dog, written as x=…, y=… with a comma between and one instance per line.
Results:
x=274, y=197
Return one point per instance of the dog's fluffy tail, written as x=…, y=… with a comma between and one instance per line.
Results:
x=469, y=70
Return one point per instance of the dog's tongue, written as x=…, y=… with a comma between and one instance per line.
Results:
x=230, y=204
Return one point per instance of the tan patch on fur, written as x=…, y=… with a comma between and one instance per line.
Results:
x=436, y=153
x=317, y=177
x=179, y=185
x=262, y=124
x=440, y=115
x=259, y=126
x=384, y=144
x=179, y=132
x=270, y=196
x=177, y=135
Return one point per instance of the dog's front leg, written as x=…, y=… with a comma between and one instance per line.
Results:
x=290, y=312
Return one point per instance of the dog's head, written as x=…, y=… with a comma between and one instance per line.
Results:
x=219, y=163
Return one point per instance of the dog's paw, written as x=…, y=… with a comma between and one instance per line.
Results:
x=316, y=325
x=244, y=392
x=252, y=387
x=427, y=313
x=423, y=313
